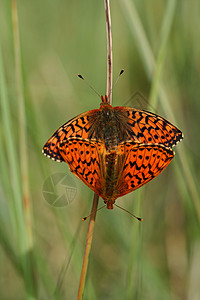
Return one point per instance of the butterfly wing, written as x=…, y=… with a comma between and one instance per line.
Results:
x=148, y=128
x=80, y=126
x=83, y=158
x=142, y=164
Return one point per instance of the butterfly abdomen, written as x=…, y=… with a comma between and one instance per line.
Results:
x=113, y=161
x=110, y=176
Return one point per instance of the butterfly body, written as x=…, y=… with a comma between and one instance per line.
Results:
x=114, y=150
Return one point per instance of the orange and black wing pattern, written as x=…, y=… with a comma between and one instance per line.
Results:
x=78, y=127
x=149, y=128
x=142, y=164
x=83, y=158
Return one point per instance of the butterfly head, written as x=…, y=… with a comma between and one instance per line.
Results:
x=105, y=101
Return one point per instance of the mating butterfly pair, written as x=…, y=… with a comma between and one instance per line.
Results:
x=114, y=150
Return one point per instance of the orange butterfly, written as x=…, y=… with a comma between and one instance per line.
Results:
x=114, y=150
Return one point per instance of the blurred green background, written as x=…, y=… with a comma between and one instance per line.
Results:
x=42, y=247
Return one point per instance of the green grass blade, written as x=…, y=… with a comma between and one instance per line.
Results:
x=134, y=274
x=12, y=159
x=22, y=251
x=164, y=36
x=139, y=35
x=22, y=127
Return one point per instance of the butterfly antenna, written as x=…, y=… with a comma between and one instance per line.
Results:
x=80, y=76
x=85, y=218
x=120, y=73
x=139, y=219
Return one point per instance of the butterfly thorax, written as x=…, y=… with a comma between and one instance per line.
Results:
x=107, y=127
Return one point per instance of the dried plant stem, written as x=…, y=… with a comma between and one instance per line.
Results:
x=109, y=50
x=96, y=197
x=88, y=247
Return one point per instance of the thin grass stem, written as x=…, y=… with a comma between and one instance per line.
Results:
x=135, y=255
x=109, y=51
x=26, y=257
x=96, y=197
x=164, y=37
x=22, y=126
x=88, y=247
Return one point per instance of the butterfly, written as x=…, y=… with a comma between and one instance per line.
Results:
x=114, y=150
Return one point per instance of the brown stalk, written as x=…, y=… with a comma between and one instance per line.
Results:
x=96, y=197
x=109, y=51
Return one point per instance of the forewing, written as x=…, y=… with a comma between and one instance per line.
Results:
x=142, y=164
x=83, y=158
x=78, y=127
x=149, y=128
